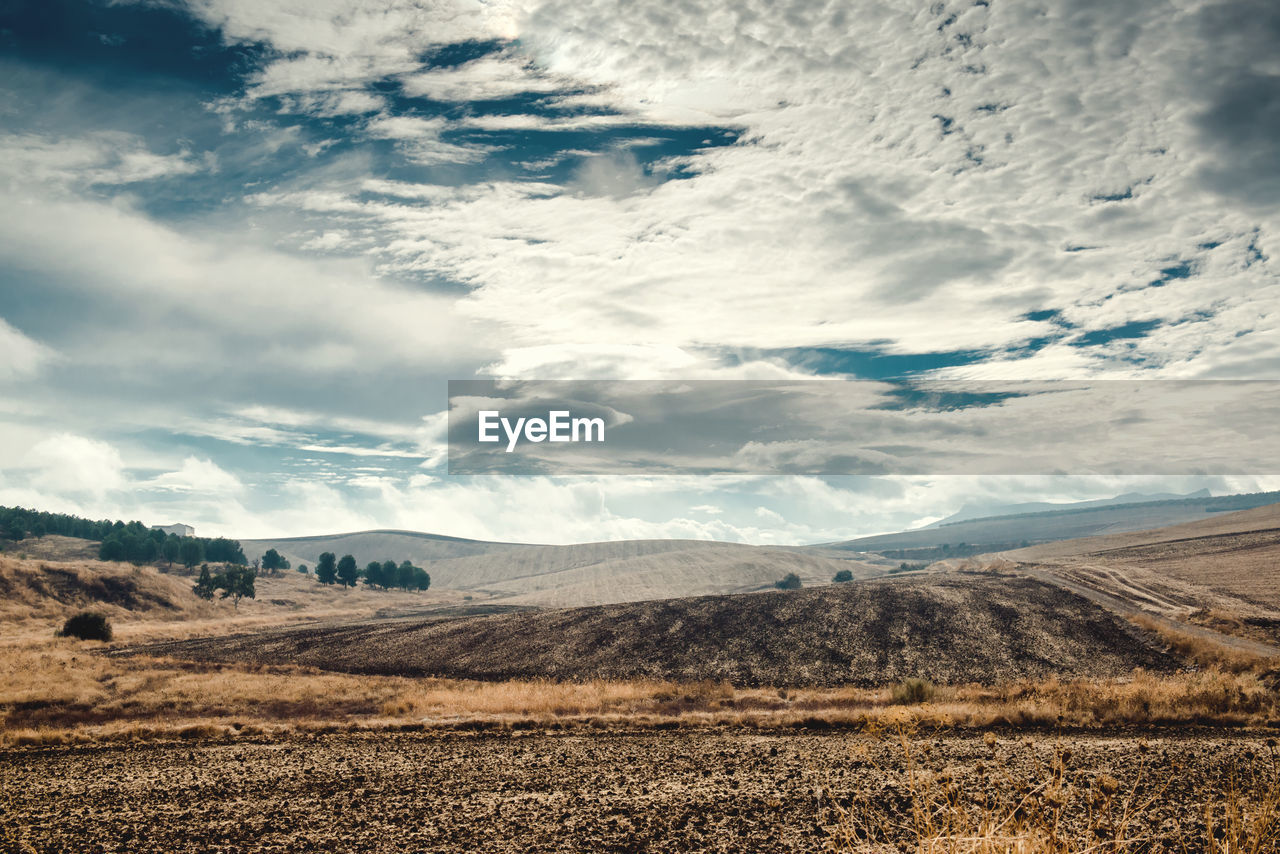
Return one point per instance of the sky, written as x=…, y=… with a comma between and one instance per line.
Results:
x=245, y=243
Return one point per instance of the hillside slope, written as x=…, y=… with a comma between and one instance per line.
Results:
x=1004, y=532
x=582, y=574
x=951, y=629
x=419, y=548
x=1223, y=572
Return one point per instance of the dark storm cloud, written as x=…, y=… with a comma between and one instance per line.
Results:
x=1239, y=79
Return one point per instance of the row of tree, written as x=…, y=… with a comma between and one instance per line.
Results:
x=135, y=543
x=18, y=523
x=386, y=574
x=121, y=541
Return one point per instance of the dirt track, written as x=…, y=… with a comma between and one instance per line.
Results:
x=675, y=791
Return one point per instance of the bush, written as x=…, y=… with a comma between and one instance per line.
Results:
x=87, y=626
x=911, y=691
x=790, y=581
x=843, y=576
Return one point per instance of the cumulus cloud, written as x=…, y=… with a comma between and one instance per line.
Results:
x=199, y=476
x=76, y=466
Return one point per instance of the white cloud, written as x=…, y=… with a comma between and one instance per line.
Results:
x=482, y=79
x=308, y=316
x=909, y=179
x=338, y=44
x=20, y=357
x=97, y=158
x=420, y=140
x=199, y=476
x=76, y=466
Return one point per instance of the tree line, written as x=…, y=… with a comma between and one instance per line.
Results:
x=131, y=542
x=385, y=574
x=18, y=523
x=137, y=544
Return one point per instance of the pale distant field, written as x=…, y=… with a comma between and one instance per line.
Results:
x=585, y=573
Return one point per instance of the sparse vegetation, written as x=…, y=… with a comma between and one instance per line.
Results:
x=790, y=581
x=87, y=626
x=1204, y=652
x=1056, y=804
x=912, y=691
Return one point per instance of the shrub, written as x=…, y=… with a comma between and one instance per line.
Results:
x=790, y=581
x=911, y=691
x=843, y=576
x=87, y=626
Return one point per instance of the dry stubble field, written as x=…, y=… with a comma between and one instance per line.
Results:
x=708, y=790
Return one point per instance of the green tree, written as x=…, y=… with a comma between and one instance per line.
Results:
x=327, y=568
x=112, y=548
x=191, y=552
x=171, y=550
x=790, y=581
x=842, y=576
x=237, y=582
x=389, y=574
x=348, y=571
x=302, y=567
x=147, y=552
x=421, y=580
x=373, y=574
x=271, y=561
x=404, y=575
x=204, y=586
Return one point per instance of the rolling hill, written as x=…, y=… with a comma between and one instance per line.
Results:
x=948, y=628
x=582, y=574
x=1222, y=572
x=412, y=546
x=1000, y=533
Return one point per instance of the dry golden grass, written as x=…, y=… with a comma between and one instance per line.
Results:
x=62, y=690
x=1205, y=652
x=58, y=689
x=144, y=603
x=1056, y=808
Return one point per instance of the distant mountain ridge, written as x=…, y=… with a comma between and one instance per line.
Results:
x=1001, y=533
x=987, y=509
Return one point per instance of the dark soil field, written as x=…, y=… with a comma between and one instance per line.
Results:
x=543, y=792
x=949, y=629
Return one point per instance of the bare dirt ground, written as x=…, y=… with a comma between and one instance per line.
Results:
x=951, y=629
x=709, y=790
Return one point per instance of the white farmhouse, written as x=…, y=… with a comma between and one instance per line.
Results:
x=177, y=528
